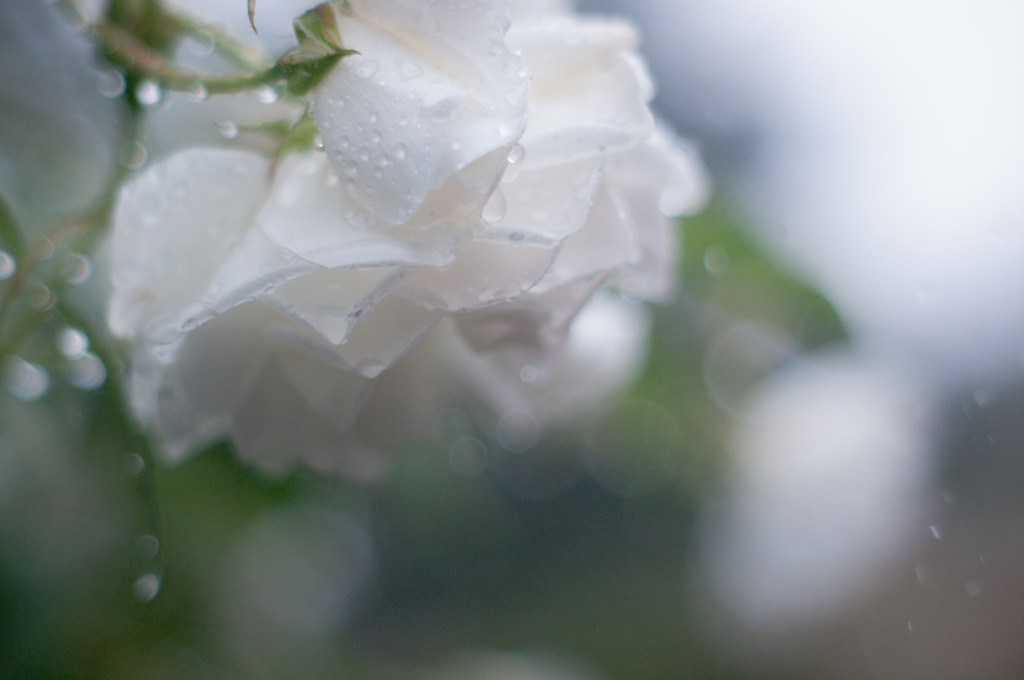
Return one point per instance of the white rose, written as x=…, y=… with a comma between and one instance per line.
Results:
x=488, y=173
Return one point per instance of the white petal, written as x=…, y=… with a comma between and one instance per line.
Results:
x=412, y=109
x=173, y=227
x=545, y=205
x=277, y=428
x=535, y=322
x=332, y=301
x=483, y=274
x=308, y=213
x=589, y=93
x=602, y=246
x=379, y=337
x=652, y=183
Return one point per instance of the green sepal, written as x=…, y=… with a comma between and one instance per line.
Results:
x=319, y=49
x=303, y=72
x=300, y=137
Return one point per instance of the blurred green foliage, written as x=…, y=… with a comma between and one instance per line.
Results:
x=579, y=546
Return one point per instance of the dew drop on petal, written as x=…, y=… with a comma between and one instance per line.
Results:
x=25, y=380
x=370, y=367
x=148, y=93
x=516, y=154
x=528, y=373
x=506, y=129
x=366, y=69
x=496, y=207
x=7, y=265
x=146, y=587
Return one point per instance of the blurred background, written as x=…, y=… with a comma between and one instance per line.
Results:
x=819, y=472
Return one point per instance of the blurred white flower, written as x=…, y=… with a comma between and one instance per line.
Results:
x=496, y=172
x=831, y=464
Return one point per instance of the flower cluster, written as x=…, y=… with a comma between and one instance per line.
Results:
x=480, y=170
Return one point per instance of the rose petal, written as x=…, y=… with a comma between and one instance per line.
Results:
x=483, y=274
x=545, y=205
x=174, y=226
x=336, y=232
x=333, y=301
x=413, y=108
x=589, y=93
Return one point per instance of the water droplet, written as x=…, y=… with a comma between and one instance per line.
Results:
x=496, y=207
x=201, y=44
x=364, y=153
x=373, y=118
x=371, y=367
x=456, y=145
x=111, y=83
x=72, y=342
x=40, y=297
x=266, y=94
x=135, y=155
x=400, y=152
x=197, y=92
x=148, y=93
x=378, y=171
x=366, y=69
x=716, y=261
x=87, y=372
x=7, y=265
x=79, y=269
x=146, y=587
x=506, y=129
x=528, y=373
x=409, y=70
x=516, y=154
x=376, y=136
x=516, y=236
x=135, y=464
x=468, y=456
x=25, y=380
x=227, y=128
x=148, y=546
